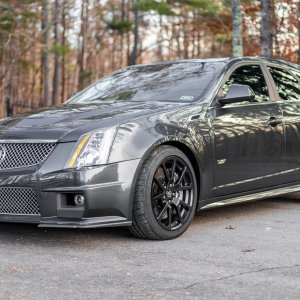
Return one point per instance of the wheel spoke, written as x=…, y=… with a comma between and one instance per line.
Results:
x=187, y=187
x=166, y=172
x=173, y=171
x=159, y=184
x=178, y=214
x=170, y=212
x=183, y=188
x=157, y=197
x=182, y=176
x=185, y=205
x=162, y=212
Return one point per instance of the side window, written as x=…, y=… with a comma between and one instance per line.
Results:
x=297, y=73
x=251, y=76
x=287, y=85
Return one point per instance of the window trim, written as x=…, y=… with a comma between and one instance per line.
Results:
x=236, y=66
x=280, y=67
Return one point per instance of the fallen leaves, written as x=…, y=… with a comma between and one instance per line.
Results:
x=248, y=250
x=230, y=227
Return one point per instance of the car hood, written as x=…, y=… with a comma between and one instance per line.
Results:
x=68, y=122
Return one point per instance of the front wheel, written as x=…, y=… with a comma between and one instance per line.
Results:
x=165, y=196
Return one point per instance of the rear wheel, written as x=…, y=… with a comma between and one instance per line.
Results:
x=165, y=196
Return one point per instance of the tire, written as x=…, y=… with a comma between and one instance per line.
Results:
x=165, y=197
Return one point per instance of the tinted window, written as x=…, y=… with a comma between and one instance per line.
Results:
x=287, y=85
x=184, y=81
x=251, y=76
x=297, y=73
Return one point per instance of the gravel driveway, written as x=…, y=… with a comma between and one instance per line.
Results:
x=247, y=251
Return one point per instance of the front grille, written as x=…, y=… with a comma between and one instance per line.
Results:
x=18, y=201
x=18, y=155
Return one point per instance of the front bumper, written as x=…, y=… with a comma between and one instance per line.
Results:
x=107, y=191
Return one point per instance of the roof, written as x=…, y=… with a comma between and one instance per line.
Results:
x=229, y=60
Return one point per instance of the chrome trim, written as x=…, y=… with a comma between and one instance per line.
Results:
x=96, y=222
x=83, y=187
x=27, y=141
x=255, y=196
x=21, y=215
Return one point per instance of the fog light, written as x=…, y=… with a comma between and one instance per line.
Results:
x=79, y=200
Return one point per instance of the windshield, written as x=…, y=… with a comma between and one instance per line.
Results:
x=181, y=81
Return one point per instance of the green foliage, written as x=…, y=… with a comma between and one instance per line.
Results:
x=227, y=2
x=26, y=65
x=222, y=38
x=120, y=26
x=86, y=75
x=60, y=49
x=10, y=17
x=161, y=7
x=30, y=14
x=7, y=20
x=167, y=7
x=206, y=7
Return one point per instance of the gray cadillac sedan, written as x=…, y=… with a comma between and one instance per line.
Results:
x=151, y=144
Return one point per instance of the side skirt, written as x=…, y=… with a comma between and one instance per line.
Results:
x=258, y=195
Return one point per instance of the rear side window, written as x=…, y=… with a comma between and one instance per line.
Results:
x=297, y=73
x=287, y=85
x=252, y=76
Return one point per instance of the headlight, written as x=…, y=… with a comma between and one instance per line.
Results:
x=92, y=149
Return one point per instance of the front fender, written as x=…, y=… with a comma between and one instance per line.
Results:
x=136, y=140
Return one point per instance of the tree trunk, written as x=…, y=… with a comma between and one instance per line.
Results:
x=299, y=33
x=185, y=29
x=134, y=53
x=63, y=59
x=82, y=40
x=56, y=55
x=45, y=54
x=237, y=29
x=266, y=29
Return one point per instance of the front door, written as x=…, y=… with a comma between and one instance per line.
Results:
x=248, y=137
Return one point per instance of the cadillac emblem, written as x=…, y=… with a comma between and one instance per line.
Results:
x=2, y=154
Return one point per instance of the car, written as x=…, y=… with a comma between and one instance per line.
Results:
x=149, y=145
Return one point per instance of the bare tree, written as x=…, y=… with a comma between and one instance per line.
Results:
x=45, y=53
x=237, y=29
x=134, y=52
x=266, y=29
x=56, y=73
x=299, y=32
x=63, y=44
x=82, y=44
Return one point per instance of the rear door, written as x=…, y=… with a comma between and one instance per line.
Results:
x=288, y=97
x=248, y=149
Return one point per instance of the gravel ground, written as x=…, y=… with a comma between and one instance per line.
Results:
x=247, y=251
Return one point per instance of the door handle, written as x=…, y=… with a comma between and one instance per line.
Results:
x=273, y=122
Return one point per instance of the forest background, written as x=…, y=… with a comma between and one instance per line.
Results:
x=50, y=49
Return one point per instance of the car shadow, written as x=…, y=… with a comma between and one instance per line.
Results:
x=22, y=234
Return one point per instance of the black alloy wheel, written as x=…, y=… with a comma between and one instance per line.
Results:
x=166, y=195
x=172, y=193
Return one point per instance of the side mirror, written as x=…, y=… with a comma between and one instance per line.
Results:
x=237, y=93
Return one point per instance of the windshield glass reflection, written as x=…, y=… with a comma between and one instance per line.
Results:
x=181, y=81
